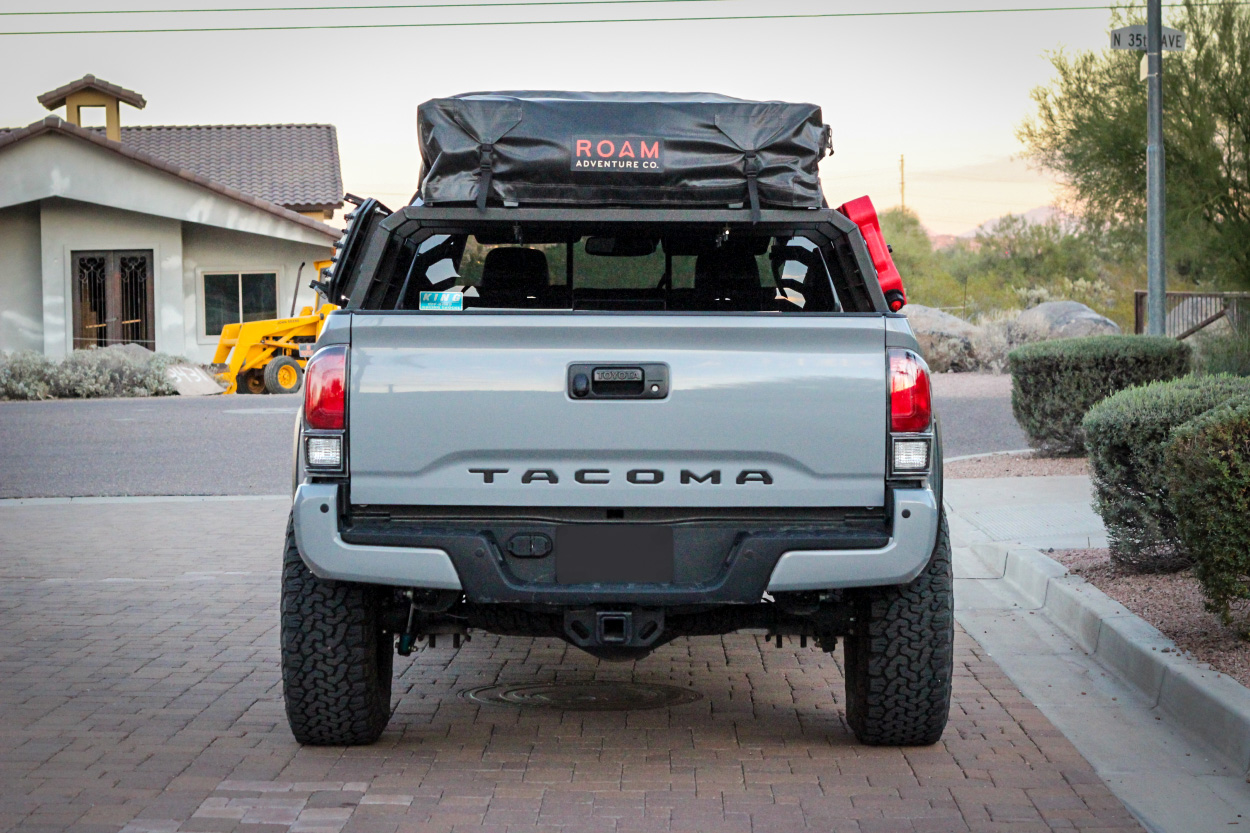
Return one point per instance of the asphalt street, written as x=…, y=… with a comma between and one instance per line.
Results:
x=241, y=445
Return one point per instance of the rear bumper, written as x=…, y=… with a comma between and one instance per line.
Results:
x=323, y=549
x=913, y=535
x=739, y=564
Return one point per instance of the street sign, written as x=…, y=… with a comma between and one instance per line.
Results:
x=1134, y=37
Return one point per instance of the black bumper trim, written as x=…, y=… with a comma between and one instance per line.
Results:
x=716, y=563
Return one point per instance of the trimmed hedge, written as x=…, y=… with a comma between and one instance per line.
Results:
x=1127, y=436
x=1054, y=383
x=1208, y=464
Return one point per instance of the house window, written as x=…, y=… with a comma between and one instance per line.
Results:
x=234, y=297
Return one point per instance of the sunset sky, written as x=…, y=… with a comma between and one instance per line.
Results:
x=945, y=90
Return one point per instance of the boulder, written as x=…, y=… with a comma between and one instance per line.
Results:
x=1060, y=319
x=947, y=343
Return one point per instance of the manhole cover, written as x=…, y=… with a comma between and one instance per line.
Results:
x=603, y=696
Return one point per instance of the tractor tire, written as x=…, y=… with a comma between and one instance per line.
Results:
x=900, y=658
x=337, y=661
x=283, y=375
x=250, y=381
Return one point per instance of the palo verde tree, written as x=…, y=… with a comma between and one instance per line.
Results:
x=1090, y=128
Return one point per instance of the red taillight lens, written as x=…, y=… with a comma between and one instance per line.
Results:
x=325, y=388
x=911, y=399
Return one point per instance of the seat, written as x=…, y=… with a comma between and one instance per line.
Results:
x=727, y=279
x=513, y=273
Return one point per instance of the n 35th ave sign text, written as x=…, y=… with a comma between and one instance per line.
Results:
x=1134, y=37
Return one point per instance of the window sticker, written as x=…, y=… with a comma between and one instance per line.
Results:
x=442, y=301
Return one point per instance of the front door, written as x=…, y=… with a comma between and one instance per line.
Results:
x=113, y=299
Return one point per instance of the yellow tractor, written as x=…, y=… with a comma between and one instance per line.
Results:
x=269, y=356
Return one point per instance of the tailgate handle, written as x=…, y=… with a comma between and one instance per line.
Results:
x=618, y=381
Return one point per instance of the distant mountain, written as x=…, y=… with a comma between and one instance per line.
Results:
x=1035, y=216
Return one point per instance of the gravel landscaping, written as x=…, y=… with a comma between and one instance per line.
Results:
x=1016, y=465
x=1173, y=604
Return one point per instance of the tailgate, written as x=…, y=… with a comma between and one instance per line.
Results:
x=476, y=410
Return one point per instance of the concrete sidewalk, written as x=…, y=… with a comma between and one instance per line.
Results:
x=1039, y=512
x=1170, y=779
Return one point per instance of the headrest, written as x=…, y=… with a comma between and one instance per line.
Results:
x=725, y=268
x=515, y=268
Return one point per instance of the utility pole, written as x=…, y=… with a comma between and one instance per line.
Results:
x=1156, y=281
x=902, y=181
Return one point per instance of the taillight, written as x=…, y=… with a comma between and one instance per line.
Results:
x=325, y=389
x=911, y=398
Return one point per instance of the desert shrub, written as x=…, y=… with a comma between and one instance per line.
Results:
x=1127, y=435
x=25, y=375
x=1208, y=472
x=1225, y=353
x=1054, y=383
x=85, y=374
x=992, y=341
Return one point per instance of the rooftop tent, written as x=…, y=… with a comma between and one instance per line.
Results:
x=623, y=149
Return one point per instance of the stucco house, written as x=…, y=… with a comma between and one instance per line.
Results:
x=156, y=235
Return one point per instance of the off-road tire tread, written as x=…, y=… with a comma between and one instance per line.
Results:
x=337, y=662
x=271, y=375
x=900, y=660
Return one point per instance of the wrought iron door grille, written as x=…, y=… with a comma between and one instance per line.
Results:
x=113, y=299
x=133, y=270
x=92, y=271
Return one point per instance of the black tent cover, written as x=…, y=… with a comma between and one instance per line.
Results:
x=622, y=149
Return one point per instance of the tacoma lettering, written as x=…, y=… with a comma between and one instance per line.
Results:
x=639, y=477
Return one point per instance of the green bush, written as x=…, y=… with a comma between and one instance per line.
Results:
x=1054, y=383
x=1126, y=435
x=1225, y=353
x=1208, y=463
x=123, y=370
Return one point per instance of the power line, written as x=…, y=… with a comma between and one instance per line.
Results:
x=353, y=8
x=484, y=23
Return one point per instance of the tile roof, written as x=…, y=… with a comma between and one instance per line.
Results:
x=292, y=165
x=11, y=136
x=56, y=98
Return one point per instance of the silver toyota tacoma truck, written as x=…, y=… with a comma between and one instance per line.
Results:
x=615, y=424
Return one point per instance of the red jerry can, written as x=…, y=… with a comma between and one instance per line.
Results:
x=861, y=213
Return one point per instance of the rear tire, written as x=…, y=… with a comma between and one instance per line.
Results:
x=337, y=661
x=283, y=375
x=900, y=659
x=250, y=381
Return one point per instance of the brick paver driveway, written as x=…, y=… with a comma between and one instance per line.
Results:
x=139, y=691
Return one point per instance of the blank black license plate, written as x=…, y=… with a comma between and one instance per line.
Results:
x=614, y=554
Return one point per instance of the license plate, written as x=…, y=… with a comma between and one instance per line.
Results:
x=614, y=554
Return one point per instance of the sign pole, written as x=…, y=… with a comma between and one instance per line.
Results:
x=1156, y=281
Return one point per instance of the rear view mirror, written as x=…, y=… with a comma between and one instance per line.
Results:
x=619, y=246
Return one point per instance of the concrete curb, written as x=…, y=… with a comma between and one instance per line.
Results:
x=1206, y=703
x=1013, y=453
x=6, y=503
